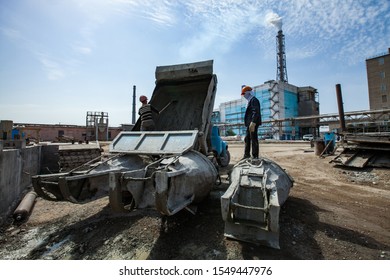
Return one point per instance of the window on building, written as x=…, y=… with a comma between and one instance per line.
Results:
x=381, y=60
x=382, y=74
x=383, y=87
x=384, y=98
x=60, y=133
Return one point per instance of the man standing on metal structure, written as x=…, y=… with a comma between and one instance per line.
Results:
x=252, y=121
x=145, y=112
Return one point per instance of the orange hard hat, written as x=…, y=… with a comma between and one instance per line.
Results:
x=143, y=98
x=245, y=89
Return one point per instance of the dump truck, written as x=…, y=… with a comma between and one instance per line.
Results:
x=171, y=168
x=175, y=166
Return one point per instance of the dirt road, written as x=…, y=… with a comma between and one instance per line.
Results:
x=332, y=213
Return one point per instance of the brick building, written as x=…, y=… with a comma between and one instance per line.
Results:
x=54, y=132
x=378, y=77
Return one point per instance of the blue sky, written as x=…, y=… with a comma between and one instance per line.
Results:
x=60, y=59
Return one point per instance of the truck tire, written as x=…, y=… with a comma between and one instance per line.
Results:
x=224, y=161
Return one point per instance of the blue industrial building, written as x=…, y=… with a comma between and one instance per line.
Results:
x=278, y=100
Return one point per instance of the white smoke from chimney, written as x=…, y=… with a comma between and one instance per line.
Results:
x=274, y=19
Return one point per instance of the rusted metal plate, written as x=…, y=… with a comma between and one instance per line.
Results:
x=359, y=159
x=154, y=142
x=363, y=158
x=374, y=138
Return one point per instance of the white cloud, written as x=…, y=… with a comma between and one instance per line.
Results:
x=11, y=33
x=53, y=69
x=162, y=13
x=342, y=26
x=82, y=49
x=218, y=25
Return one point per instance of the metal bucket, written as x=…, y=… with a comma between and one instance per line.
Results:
x=250, y=207
x=319, y=146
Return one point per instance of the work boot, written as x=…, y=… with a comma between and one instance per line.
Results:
x=245, y=157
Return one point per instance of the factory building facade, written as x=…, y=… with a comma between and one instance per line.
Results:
x=378, y=78
x=279, y=101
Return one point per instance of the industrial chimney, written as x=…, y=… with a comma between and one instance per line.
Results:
x=281, y=72
x=281, y=69
x=133, y=113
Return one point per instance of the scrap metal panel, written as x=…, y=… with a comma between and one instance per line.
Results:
x=154, y=142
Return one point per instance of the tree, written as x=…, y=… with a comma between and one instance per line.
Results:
x=230, y=132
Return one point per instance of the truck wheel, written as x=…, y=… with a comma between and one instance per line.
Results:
x=224, y=161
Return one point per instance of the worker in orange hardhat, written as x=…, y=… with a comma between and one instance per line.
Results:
x=252, y=121
x=146, y=115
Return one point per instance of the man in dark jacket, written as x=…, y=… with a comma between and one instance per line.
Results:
x=252, y=121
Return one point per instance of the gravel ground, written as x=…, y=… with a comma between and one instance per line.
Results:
x=332, y=213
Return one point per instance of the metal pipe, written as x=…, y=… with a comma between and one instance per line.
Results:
x=341, y=107
x=133, y=115
x=25, y=206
